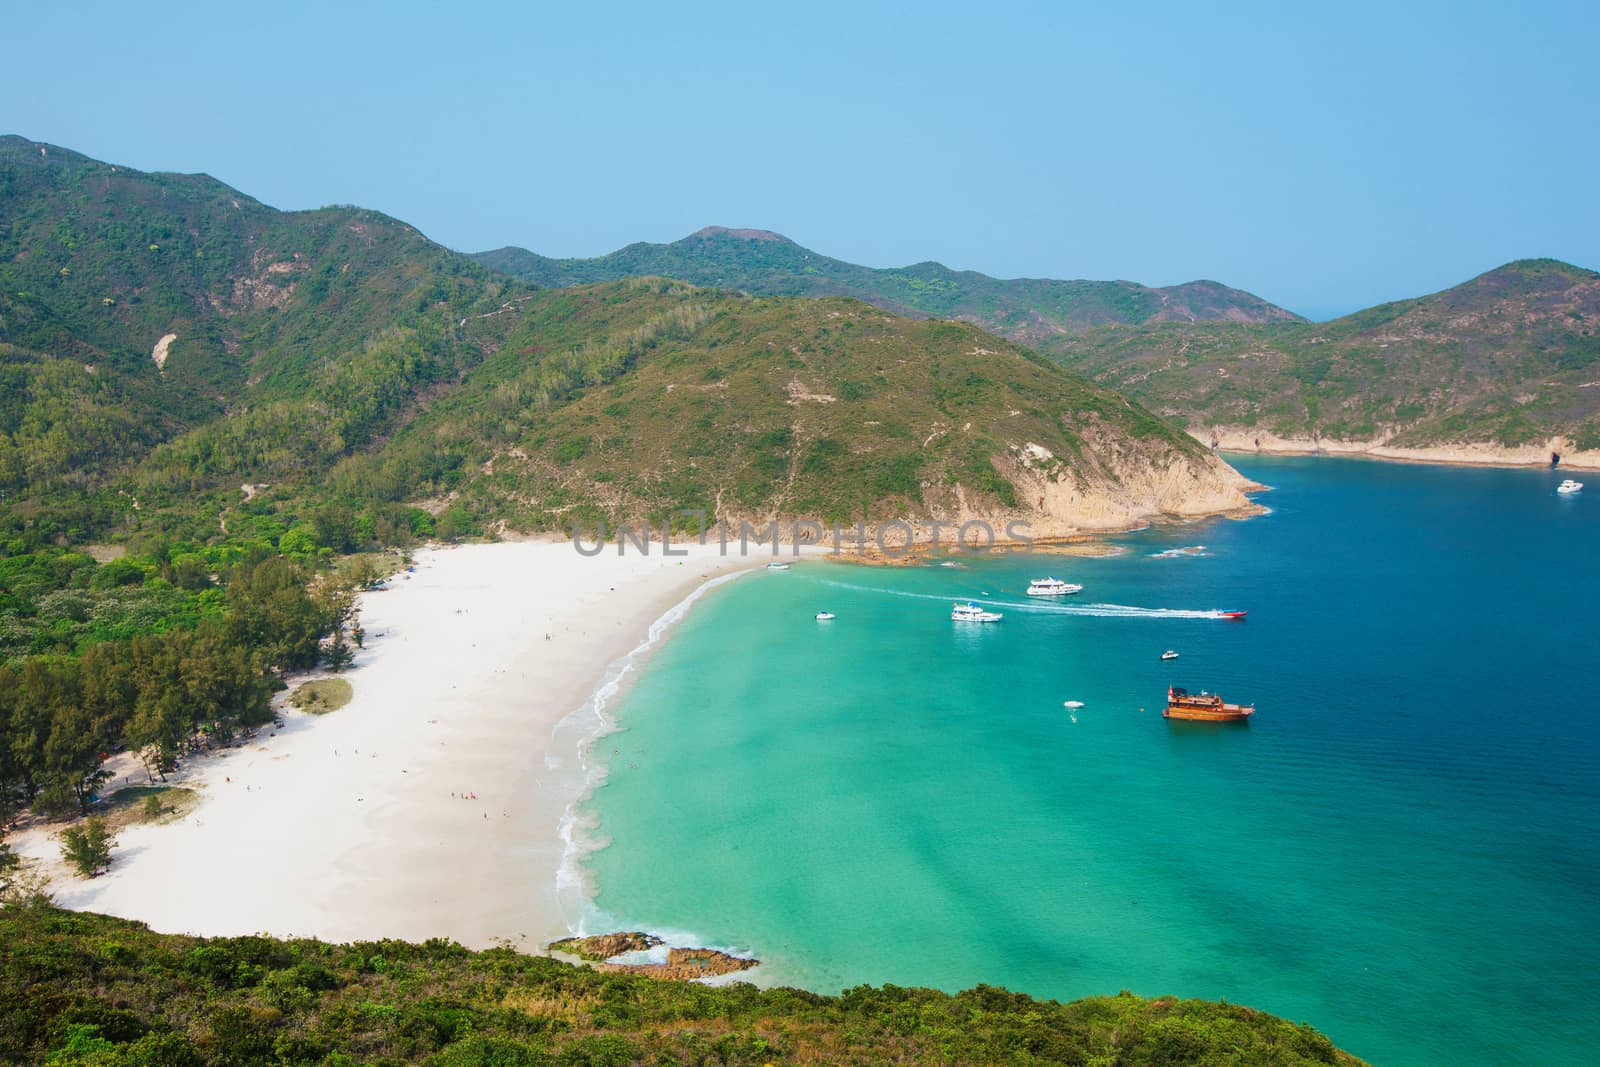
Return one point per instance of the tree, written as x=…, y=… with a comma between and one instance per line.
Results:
x=88, y=846
x=339, y=654
x=9, y=861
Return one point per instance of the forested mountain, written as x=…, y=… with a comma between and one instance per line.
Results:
x=169, y=340
x=1510, y=358
x=135, y=307
x=1027, y=310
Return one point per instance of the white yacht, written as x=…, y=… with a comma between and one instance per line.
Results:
x=1568, y=487
x=1169, y=654
x=970, y=612
x=1052, y=587
x=824, y=616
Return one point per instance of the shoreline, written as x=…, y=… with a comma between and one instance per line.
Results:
x=1238, y=441
x=592, y=722
x=444, y=800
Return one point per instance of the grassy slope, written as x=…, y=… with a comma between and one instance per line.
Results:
x=746, y=406
x=1024, y=309
x=1508, y=357
x=80, y=990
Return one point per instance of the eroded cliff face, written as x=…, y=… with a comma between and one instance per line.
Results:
x=1117, y=485
x=1130, y=487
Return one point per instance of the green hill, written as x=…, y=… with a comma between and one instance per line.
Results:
x=166, y=339
x=759, y=408
x=99, y=264
x=79, y=989
x=1509, y=359
x=1024, y=309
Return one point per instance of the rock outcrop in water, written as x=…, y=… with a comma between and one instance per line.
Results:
x=682, y=965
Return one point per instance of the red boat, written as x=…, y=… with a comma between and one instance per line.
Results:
x=1232, y=614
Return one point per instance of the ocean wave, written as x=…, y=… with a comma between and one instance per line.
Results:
x=1181, y=553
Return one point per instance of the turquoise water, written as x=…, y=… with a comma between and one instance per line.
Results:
x=1401, y=848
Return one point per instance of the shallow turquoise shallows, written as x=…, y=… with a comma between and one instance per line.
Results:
x=1401, y=848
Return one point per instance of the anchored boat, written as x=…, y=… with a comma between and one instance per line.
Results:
x=1052, y=587
x=1204, y=707
x=1569, y=487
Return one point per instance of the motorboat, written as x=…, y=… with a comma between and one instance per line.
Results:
x=1073, y=704
x=1052, y=587
x=824, y=616
x=1169, y=654
x=1232, y=614
x=777, y=566
x=1569, y=487
x=970, y=612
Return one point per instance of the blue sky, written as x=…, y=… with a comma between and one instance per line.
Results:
x=1324, y=156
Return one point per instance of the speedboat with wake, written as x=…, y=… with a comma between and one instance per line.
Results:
x=1052, y=587
x=1568, y=487
x=970, y=612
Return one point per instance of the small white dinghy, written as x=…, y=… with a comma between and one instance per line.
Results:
x=777, y=566
x=824, y=616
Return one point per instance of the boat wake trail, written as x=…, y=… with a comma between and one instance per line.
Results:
x=1101, y=611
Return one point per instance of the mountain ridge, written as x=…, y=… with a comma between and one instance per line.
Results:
x=1500, y=368
x=767, y=263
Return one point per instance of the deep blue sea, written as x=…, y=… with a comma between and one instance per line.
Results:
x=1401, y=848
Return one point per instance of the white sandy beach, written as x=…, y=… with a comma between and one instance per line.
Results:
x=431, y=805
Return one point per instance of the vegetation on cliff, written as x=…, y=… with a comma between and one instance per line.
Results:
x=81, y=990
x=1024, y=309
x=1508, y=358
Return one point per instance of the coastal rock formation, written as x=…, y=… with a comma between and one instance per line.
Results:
x=682, y=965
x=686, y=965
x=599, y=947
